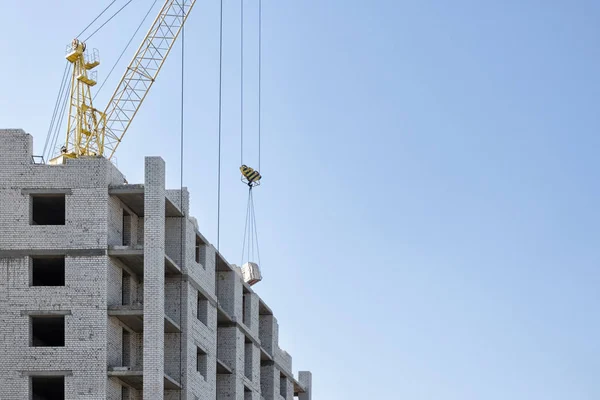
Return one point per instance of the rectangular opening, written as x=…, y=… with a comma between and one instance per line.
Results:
x=126, y=348
x=125, y=288
x=283, y=385
x=200, y=251
x=246, y=309
x=201, y=362
x=248, y=360
x=127, y=221
x=47, y=387
x=47, y=209
x=48, y=271
x=125, y=393
x=202, y=313
x=48, y=331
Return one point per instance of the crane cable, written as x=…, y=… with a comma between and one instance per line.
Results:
x=220, y=124
x=250, y=247
x=55, y=125
x=57, y=103
x=95, y=19
x=250, y=233
x=125, y=49
x=107, y=21
x=181, y=154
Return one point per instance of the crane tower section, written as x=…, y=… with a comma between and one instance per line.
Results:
x=83, y=117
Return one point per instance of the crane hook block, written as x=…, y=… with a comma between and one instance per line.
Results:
x=250, y=176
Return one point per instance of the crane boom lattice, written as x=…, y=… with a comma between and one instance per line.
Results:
x=142, y=71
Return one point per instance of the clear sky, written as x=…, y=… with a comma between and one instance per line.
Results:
x=428, y=219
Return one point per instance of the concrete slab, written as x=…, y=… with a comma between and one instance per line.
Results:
x=133, y=317
x=223, y=368
x=135, y=379
x=133, y=257
x=133, y=197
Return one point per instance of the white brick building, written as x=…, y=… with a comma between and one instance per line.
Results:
x=109, y=291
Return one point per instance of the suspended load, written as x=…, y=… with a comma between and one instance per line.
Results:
x=251, y=273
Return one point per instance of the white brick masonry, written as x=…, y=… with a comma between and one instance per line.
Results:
x=131, y=294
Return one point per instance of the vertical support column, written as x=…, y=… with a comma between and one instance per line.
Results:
x=229, y=292
x=154, y=278
x=266, y=333
x=251, y=312
x=230, y=350
x=269, y=381
x=305, y=379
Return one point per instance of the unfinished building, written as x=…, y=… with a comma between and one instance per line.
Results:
x=109, y=291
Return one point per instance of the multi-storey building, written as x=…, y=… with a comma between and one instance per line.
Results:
x=109, y=291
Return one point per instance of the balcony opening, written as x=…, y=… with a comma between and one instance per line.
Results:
x=248, y=360
x=126, y=348
x=127, y=227
x=201, y=362
x=125, y=288
x=48, y=331
x=283, y=386
x=47, y=209
x=48, y=271
x=246, y=309
x=48, y=387
x=202, y=313
x=200, y=251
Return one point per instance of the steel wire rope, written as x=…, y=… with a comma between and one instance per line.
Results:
x=61, y=114
x=250, y=241
x=245, y=230
x=255, y=231
x=220, y=124
x=126, y=47
x=259, y=74
x=184, y=217
x=241, y=82
x=63, y=81
x=95, y=19
x=107, y=21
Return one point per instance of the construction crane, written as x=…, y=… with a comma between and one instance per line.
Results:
x=91, y=132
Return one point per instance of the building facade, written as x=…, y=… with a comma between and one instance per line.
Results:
x=109, y=291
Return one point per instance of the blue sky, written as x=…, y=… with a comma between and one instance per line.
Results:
x=428, y=217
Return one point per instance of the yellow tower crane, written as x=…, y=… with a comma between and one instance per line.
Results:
x=91, y=132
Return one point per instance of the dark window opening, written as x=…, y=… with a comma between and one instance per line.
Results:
x=48, y=271
x=200, y=253
x=125, y=288
x=125, y=393
x=127, y=226
x=48, y=209
x=48, y=331
x=246, y=310
x=248, y=360
x=48, y=387
x=202, y=314
x=126, y=349
x=201, y=362
x=282, y=385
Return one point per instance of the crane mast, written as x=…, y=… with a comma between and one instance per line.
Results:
x=92, y=132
